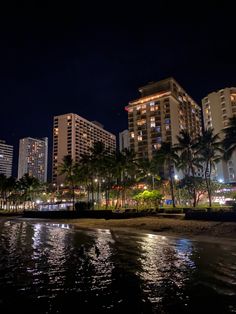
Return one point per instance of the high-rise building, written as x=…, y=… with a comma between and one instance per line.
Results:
x=124, y=141
x=162, y=111
x=74, y=136
x=6, y=157
x=217, y=108
x=33, y=158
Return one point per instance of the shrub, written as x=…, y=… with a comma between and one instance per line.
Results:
x=81, y=206
x=173, y=210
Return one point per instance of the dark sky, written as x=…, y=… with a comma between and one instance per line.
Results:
x=59, y=58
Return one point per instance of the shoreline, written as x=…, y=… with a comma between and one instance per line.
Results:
x=157, y=225
x=162, y=226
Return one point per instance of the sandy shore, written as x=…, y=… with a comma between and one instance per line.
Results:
x=162, y=225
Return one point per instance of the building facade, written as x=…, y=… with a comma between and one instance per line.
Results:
x=217, y=108
x=33, y=158
x=74, y=136
x=6, y=158
x=124, y=140
x=162, y=111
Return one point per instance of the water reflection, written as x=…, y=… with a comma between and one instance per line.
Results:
x=50, y=268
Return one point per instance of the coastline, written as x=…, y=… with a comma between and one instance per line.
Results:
x=157, y=225
x=167, y=226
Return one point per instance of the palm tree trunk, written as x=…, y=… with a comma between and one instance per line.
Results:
x=92, y=193
x=172, y=186
x=208, y=181
x=73, y=197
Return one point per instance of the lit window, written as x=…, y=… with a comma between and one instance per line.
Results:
x=140, y=138
x=157, y=146
x=141, y=122
x=143, y=111
x=138, y=107
x=167, y=127
x=153, y=124
x=152, y=103
x=143, y=106
x=152, y=119
x=68, y=117
x=152, y=108
x=132, y=134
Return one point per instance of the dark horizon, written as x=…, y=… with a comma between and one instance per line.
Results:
x=58, y=59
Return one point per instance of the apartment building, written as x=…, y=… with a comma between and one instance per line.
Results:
x=74, y=135
x=6, y=158
x=161, y=112
x=33, y=158
x=217, y=108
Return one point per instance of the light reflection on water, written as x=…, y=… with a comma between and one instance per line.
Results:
x=49, y=268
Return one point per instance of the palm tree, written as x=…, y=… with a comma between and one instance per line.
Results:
x=124, y=172
x=210, y=153
x=69, y=169
x=148, y=169
x=3, y=180
x=96, y=169
x=29, y=186
x=108, y=169
x=168, y=157
x=189, y=162
x=229, y=141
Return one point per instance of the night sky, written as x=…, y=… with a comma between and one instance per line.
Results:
x=90, y=60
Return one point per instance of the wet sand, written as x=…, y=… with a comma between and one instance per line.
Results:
x=162, y=225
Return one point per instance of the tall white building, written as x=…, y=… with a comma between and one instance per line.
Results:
x=124, y=140
x=6, y=158
x=217, y=108
x=33, y=158
x=74, y=136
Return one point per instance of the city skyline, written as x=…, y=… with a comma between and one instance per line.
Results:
x=117, y=134
x=93, y=64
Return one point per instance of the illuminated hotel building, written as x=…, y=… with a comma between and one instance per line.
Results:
x=33, y=158
x=6, y=157
x=74, y=136
x=217, y=108
x=162, y=111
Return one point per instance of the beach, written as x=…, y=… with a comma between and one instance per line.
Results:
x=172, y=226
